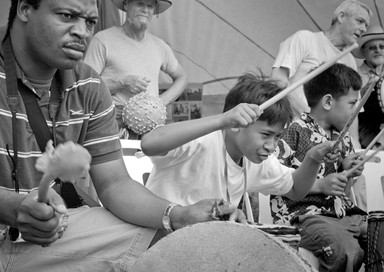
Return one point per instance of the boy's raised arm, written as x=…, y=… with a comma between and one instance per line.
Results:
x=165, y=138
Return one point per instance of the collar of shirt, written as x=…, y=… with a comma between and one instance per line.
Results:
x=365, y=69
x=310, y=122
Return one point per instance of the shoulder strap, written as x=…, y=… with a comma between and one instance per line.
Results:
x=38, y=123
x=13, y=101
x=35, y=117
x=14, y=86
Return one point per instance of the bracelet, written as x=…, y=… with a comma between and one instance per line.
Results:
x=167, y=224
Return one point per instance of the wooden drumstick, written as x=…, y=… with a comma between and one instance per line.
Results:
x=361, y=163
x=306, y=78
x=372, y=143
x=353, y=116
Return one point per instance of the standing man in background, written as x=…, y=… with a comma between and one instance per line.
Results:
x=371, y=48
x=305, y=50
x=371, y=120
x=129, y=59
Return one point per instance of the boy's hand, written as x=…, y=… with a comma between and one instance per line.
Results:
x=202, y=211
x=135, y=84
x=240, y=116
x=333, y=184
x=352, y=160
x=322, y=152
x=238, y=216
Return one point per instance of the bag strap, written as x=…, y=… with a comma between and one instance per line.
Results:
x=42, y=133
x=35, y=117
x=13, y=103
x=38, y=122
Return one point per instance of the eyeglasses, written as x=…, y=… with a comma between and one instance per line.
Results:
x=379, y=47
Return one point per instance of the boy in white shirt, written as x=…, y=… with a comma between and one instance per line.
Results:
x=223, y=156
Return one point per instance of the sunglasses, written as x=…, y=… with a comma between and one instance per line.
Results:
x=378, y=47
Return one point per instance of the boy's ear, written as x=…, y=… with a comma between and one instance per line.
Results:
x=23, y=10
x=327, y=102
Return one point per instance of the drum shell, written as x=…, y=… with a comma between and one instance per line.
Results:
x=221, y=246
x=375, y=247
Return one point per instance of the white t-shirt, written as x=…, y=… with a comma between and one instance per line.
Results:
x=305, y=50
x=114, y=54
x=203, y=169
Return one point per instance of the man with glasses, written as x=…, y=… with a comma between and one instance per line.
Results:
x=371, y=48
x=371, y=120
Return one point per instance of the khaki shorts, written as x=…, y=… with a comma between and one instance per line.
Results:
x=95, y=240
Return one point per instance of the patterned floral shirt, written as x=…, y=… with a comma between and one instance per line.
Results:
x=301, y=136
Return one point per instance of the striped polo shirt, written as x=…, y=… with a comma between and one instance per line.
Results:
x=86, y=116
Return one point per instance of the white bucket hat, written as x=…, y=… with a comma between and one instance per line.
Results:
x=162, y=5
x=374, y=32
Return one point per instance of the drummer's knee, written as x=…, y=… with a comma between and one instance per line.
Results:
x=342, y=256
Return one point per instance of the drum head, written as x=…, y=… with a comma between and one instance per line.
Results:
x=220, y=246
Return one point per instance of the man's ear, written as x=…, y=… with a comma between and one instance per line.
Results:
x=327, y=101
x=341, y=16
x=23, y=9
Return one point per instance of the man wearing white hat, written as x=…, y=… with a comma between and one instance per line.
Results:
x=129, y=59
x=371, y=120
x=371, y=48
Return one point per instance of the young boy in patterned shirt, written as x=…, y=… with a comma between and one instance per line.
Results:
x=331, y=226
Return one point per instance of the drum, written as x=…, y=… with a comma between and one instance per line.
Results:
x=380, y=93
x=375, y=249
x=143, y=112
x=220, y=246
x=371, y=120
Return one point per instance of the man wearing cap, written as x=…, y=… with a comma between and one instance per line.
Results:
x=371, y=48
x=371, y=120
x=305, y=50
x=129, y=59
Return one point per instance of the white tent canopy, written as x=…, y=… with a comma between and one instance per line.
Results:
x=216, y=39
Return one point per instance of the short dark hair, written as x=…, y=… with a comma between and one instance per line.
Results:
x=257, y=89
x=13, y=9
x=336, y=80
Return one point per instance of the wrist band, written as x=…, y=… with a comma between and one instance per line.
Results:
x=167, y=224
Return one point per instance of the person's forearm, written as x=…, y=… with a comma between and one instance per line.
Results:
x=304, y=177
x=113, y=85
x=280, y=74
x=9, y=204
x=145, y=208
x=354, y=133
x=165, y=138
x=174, y=91
x=316, y=187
